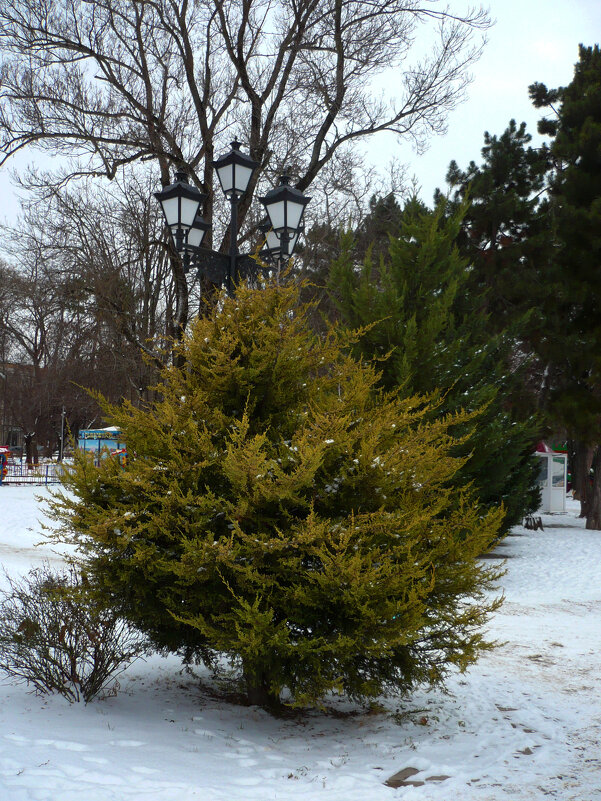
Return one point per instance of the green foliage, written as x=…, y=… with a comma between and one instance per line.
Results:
x=280, y=510
x=420, y=325
x=504, y=234
x=410, y=295
x=382, y=222
x=572, y=345
x=507, y=238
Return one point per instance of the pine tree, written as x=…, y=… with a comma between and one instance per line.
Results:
x=572, y=345
x=505, y=231
x=280, y=510
x=413, y=306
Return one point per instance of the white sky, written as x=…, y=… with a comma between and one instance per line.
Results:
x=532, y=40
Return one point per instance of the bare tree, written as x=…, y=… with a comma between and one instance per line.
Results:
x=84, y=297
x=30, y=322
x=103, y=242
x=107, y=83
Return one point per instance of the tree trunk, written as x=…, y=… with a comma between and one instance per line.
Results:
x=593, y=516
x=258, y=693
x=581, y=480
x=28, y=439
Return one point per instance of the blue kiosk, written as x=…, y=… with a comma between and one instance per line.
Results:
x=99, y=442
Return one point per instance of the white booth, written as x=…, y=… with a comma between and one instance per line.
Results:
x=552, y=479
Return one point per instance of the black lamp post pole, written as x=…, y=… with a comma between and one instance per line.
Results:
x=284, y=241
x=284, y=255
x=233, y=242
x=285, y=247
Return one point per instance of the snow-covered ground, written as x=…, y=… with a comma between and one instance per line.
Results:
x=525, y=723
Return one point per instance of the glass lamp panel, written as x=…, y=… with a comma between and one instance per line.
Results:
x=292, y=243
x=242, y=178
x=272, y=241
x=295, y=213
x=195, y=237
x=170, y=210
x=189, y=208
x=276, y=213
x=226, y=177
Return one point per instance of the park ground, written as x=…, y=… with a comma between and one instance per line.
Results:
x=523, y=724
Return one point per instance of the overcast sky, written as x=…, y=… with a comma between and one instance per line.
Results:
x=532, y=40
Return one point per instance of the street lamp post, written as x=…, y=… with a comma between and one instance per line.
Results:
x=181, y=203
x=285, y=207
x=234, y=171
x=272, y=252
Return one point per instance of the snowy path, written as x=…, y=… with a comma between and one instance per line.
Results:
x=524, y=724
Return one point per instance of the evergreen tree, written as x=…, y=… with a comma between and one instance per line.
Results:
x=412, y=307
x=310, y=267
x=279, y=509
x=571, y=348
x=322, y=247
x=382, y=221
x=505, y=231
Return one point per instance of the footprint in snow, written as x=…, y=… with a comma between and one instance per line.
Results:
x=247, y=781
x=17, y=739
x=63, y=745
x=127, y=743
